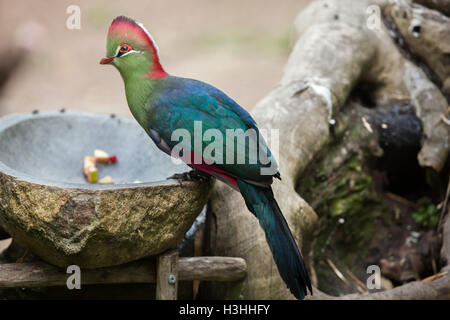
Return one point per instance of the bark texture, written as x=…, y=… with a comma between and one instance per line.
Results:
x=427, y=35
x=40, y=274
x=440, y=5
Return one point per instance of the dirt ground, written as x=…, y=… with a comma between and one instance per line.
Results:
x=238, y=46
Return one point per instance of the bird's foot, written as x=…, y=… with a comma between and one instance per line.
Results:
x=193, y=175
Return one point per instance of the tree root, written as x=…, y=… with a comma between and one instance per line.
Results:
x=440, y=5
x=335, y=49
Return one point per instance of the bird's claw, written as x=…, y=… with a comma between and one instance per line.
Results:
x=180, y=177
x=193, y=175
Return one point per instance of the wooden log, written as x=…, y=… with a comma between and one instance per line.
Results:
x=440, y=5
x=426, y=36
x=358, y=49
x=210, y=269
x=167, y=276
x=41, y=274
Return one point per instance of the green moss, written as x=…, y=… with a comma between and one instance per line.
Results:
x=341, y=190
x=427, y=215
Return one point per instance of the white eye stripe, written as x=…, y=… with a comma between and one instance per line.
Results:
x=126, y=53
x=117, y=50
x=131, y=51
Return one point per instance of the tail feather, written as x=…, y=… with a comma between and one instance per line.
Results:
x=261, y=202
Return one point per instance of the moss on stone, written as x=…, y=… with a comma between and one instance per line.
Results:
x=98, y=228
x=341, y=190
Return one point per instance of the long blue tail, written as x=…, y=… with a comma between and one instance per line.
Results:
x=261, y=202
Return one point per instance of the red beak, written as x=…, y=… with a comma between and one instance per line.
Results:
x=106, y=60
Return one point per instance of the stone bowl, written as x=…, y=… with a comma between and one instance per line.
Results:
x=47, y=205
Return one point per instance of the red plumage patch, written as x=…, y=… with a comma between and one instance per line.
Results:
x=190, y=159
x=129, y=29
x=218, y=173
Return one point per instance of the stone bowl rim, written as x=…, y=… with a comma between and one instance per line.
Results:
x=13, y=119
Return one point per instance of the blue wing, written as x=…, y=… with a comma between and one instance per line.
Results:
x=180, y=102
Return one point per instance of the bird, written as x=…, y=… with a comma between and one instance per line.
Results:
x=162, y=103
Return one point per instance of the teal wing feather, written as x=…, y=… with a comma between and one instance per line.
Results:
x=180, y=102
x=177, y=104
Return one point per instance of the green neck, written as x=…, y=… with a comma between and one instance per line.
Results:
x=138, y=89
x=135, y=70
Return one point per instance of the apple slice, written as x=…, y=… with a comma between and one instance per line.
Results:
x=88, y=162
x=89, y=169
x=104, y=157
x=92, y=175
x=101, y=156
x=106, y=180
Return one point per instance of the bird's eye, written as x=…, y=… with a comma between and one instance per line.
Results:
x=124, y=48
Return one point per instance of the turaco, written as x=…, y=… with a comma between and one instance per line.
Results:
x=162, y=103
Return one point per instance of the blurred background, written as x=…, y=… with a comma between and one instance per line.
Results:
x=238, y=46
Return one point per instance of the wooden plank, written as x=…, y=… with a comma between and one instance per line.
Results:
x=35, y=274
x=212, y=268
x=41, y=274
x=167, y=276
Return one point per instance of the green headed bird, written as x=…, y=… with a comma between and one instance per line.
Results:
x=162, y=104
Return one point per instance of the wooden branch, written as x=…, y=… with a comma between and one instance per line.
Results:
x=310, y=95
x=440, y=5
x=208, y=269
x=40, y=274
x=417, y=290
x=167, y=276
x=424, y=33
